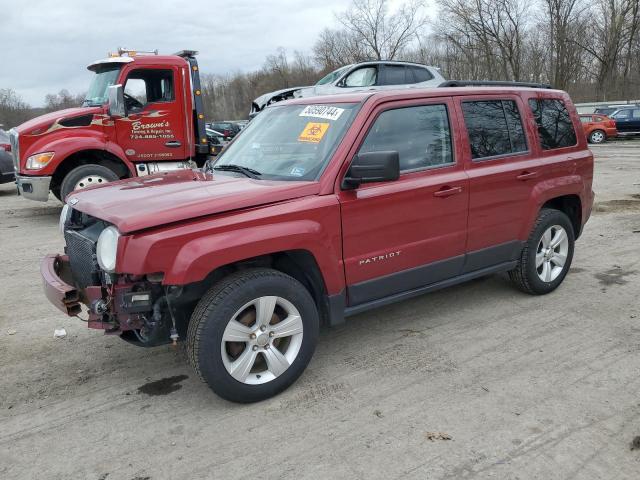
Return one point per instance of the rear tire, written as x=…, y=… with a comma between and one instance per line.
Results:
x=86, y=176
x=597, y=136
x=231, y=351
x=547, y=255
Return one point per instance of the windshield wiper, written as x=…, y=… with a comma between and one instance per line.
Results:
x=249, y=172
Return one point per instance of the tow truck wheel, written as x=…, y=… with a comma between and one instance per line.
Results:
x=253, y=334
x=86, y=176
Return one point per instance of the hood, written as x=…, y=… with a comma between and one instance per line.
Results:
x=34, y=125
x=263, y=100
x=145, y=202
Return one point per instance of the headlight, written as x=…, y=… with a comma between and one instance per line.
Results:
x=107, y=248
x=39, y=160
x=64, y=216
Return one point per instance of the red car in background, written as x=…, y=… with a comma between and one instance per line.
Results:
x=598, y=128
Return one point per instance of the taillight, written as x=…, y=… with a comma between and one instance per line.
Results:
x=5, y=146
x=611, y=123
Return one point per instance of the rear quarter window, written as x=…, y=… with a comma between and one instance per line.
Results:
x=555, y=128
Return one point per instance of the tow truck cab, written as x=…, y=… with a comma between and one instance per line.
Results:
x=143, y=114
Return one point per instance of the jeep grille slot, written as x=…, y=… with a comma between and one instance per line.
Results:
x=82, y=257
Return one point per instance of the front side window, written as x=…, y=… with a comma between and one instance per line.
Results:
x=148, y=86
x=555, y=128
x=290, y=142
x=362, y=77
x=421, y=136
x=624, y=113
x=494, y=128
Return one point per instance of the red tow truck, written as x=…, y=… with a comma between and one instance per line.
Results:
x=143, y=114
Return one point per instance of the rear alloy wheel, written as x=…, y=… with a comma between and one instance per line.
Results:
x=86, y=176
x=253, y=334
x=547, y=255
x=597, y=136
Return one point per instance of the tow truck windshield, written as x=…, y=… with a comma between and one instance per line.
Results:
x=97, y=93
x=288, y=142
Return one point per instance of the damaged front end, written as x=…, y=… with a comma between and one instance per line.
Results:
x=137, y=307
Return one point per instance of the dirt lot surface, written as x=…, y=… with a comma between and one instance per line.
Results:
x=477, y=381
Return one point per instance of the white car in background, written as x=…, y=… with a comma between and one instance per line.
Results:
x=357, y=77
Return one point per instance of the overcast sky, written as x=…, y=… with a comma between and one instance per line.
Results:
x=46, y=45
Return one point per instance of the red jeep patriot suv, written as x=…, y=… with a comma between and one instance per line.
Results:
x=322, y=208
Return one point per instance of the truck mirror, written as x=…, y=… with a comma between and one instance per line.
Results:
x=372, y=167
x=116, y=101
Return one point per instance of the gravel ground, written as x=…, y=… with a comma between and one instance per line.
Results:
x=476, y=381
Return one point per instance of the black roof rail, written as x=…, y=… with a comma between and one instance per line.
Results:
x=492, y=83
x=186, y=53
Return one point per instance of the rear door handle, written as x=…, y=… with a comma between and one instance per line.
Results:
x=526, y=175
x=173, y=144
x=447, y=191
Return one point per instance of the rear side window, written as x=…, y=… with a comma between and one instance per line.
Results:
x=555, y=128
x=394, y=75
x=494, y=128
x=587, y=119
x=421, y=136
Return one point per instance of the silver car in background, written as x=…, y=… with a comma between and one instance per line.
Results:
x=379, y=75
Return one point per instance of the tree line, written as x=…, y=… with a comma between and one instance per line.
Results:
x=591, y=48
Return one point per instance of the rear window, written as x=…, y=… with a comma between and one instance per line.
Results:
x=494, y=128
x=555, y=128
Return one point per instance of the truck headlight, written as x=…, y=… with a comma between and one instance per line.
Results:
x=107, y=248
x=39, y=160
x=64, y=216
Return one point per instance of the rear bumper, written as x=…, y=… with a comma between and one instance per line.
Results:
x=55, y=272
x=34, y=188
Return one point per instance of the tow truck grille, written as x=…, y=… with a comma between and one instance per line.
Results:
x=82, y=257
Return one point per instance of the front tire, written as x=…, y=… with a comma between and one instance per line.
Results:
x=253, y=334
x=597, y=136
x=86, y=176
x=547, y=255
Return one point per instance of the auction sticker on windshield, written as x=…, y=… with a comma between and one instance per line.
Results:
x=322, y=111
x=313, y=132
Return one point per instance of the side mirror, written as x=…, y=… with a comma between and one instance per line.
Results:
x=372, y=167
x=116, y=101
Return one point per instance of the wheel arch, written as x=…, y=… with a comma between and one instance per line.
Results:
x=570, y=205
x=300, y=264
x=89, y=156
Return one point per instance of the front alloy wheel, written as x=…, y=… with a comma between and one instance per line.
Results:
x=262, y=340
x=253, y=334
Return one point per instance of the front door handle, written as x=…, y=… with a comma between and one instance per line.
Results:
x=173, y=144
x=526, y=175
x=447, y=191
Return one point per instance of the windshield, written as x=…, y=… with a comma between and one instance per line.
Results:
x=97, y=94
x=333, y=76
x=290, y=142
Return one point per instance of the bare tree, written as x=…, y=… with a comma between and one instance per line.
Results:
x=13, y=110
x=383, y=36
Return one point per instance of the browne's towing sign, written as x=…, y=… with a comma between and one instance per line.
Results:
x=322, y=111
